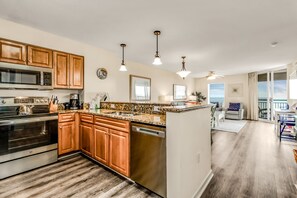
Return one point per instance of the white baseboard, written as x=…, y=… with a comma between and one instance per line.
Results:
x=203, y=186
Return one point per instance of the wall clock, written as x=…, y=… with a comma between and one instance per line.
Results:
x=102, y=73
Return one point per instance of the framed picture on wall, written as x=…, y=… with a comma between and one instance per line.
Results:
x=140, y=88
x=179, y=92
x=235, y=90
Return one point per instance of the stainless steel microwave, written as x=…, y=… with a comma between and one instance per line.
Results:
x=13, y=76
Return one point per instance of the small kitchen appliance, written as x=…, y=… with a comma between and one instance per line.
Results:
x=74, y=101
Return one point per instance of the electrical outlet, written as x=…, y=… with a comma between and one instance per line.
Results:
x=112, y=106
x=198, y=158
x=156, y=108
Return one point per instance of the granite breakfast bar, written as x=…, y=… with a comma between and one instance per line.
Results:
x=188, y=144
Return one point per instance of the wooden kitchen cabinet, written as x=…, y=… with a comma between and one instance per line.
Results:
x=13, y=52
x=112, y=143
x=68, y=71
x=76, y=77
x=40, y=57
x=119, y=152
x=101, y=137
x=87, y=138
x=68, y=133
x=66, y=137
x=61, y=70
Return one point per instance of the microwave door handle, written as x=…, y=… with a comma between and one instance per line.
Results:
x=41, y=78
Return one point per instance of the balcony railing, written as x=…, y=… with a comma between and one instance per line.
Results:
x=277, y=104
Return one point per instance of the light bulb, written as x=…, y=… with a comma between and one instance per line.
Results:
x=157, y=61
x=123, y=68
x=211, y=77
x=183, y=73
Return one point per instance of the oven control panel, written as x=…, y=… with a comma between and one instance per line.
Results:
x=15, y=101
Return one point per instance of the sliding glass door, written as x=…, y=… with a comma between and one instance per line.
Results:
x=272, y=93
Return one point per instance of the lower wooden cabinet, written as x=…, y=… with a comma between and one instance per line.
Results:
x=112, y=143
x=68, y=133
x=86, y=138
x=101, y=137
x=66, y=137
x=119, y=152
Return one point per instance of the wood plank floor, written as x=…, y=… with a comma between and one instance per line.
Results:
x=252, y=163
x=75, y=177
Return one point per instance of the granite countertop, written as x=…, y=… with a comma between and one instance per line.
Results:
x=154, y=119
x=190, y=107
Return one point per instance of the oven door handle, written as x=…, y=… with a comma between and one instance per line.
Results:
x=27, y=120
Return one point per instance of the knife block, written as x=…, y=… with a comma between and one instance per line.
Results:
x=53, y=108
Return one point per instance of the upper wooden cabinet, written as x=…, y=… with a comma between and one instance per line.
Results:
x=76, y=80
x=69, y=71
x=61, y=70
x=12, y=52
x=40, y=57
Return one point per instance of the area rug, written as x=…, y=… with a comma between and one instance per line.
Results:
x=231, y=125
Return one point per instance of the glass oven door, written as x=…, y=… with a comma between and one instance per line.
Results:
x=27, y=133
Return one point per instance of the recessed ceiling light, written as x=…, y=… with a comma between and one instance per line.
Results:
x=274, y=44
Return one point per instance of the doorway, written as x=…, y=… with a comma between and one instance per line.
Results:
x=272, y=93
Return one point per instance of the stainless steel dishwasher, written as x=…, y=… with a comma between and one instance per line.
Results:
x=148, y=157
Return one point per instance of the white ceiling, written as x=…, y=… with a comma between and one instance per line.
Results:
x=227, y=36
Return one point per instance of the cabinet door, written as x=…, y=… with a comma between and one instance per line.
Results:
x=76, y=72
x=66, y=137
x=86, y=138
x=61, y=70
x=101, y=137
x=40, y=57
x=12, y=52
x=119, y=152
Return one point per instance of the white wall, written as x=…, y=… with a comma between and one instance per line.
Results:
x=188, y=152
x=116, y=84
x=292, y=67
x=202, y=86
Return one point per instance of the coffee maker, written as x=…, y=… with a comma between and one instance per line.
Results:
x=74, y=101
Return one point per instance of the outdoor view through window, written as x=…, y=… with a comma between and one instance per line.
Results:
x=216, y=93
x=272, y=93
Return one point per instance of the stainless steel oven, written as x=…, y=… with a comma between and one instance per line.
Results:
x=25, y=77
x=26, y=141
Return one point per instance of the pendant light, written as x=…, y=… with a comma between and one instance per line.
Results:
x=183, y=72
x=157, y=60
x=123, y=66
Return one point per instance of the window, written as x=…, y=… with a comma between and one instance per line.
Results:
x=216, y=93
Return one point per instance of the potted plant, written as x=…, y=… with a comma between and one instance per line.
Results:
x=199, y=97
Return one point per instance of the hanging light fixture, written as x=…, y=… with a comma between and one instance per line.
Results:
x=123, y=66
x=183, y=72
x=157, y=60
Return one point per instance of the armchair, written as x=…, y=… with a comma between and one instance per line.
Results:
x=234, y=111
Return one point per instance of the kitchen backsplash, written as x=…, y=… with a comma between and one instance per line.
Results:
x=135, y=106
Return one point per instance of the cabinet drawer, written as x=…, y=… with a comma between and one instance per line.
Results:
x=86, y=118
x=116, y=124
x=66, y=117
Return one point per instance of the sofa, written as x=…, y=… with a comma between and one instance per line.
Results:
x=235, y=111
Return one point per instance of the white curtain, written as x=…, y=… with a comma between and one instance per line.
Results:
x=253, y=96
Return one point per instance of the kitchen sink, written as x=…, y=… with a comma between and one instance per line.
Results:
x=123, y=113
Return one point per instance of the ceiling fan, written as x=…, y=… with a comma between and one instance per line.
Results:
x=211, y=76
